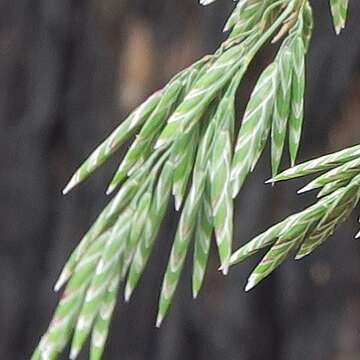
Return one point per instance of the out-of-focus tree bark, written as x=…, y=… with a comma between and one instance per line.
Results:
x=68, y=71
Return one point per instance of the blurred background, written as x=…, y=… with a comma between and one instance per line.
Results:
x=69, y=72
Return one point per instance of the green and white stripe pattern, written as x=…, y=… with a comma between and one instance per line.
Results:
x=339, y=10
x=302, y=233
x=322, y=163
x=255, y=128
x=102, y=322
x=183, y=157
x=118, y=137
x=276, y=103
x=185, y=146
x=220, y=175
x=157, y=211
x=203, y=236
x=145, y=139
x=187, y=223
x=297, y=95
x=246, y=18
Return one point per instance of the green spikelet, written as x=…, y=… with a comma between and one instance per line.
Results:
x=203, y=235
x=108, y=217
x=331, y=187
x=297, y=97
x=183, y=156
x=148, y=133
x=278, y=253
x=102, y=322
x=245, y=18
x=337, y=213
x=64, y=320
x=106, y=270
x=339, y=9
x=255, y=127
x=114, y=141
x=283, y=237
x=141, y=214
x=184, y=146
x=202, y=93
x=308, y=28
x=342, y=173
x=305, y=230
x=281, y=108
x=143, y=250
x=187, y=223
x=322, y=163
x=220, y=172
x=260, y=242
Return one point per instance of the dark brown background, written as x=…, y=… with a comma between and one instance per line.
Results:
x=69, y=71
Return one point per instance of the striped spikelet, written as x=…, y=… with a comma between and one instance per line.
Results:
x=187, y=223
x=339, y=9
x=302, y=233
x=102, y=321
x=297, y=97
x=123, y=132
x=255, y=128
x=186, y=148
x=203, y=235
x=220, y=176
x=157, y=211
